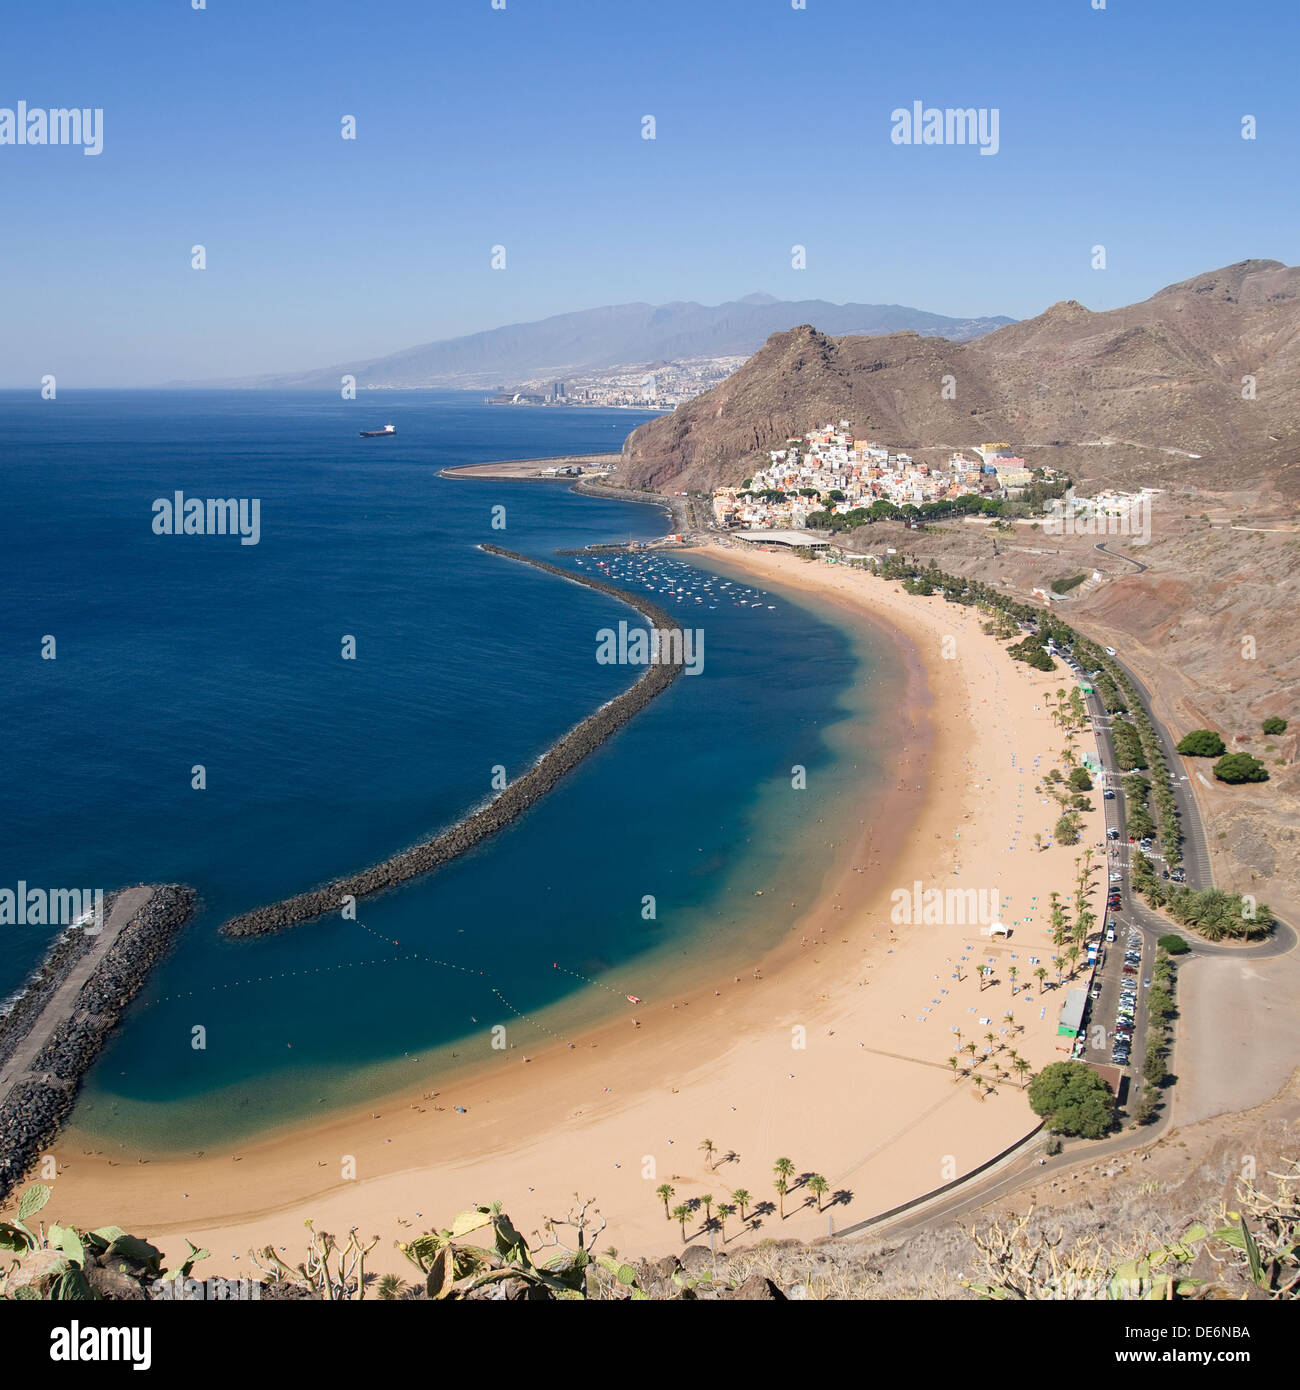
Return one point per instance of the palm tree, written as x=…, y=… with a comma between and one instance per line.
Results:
x=1022, y=1067
x=665, y=1193
x=682, y=1214
x=782, y=1187
x=954, y=1064
x=783, y=1168
x=992, y=1039
x=1009, y=1019
x=707, y=1203
x=818, y=1186
x=1040, y=974
x=725, y=1209
x=971, y=1048
x=1013, y=972
x=743, y=1198
x=708, y=1150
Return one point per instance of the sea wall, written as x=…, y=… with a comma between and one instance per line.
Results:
x=41, y=1099
x=67, y=950
x=512, y=802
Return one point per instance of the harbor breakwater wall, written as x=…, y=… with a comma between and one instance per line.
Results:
x=41, y=1094
x=504, y=808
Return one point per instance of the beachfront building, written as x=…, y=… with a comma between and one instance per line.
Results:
x=1070, y=1023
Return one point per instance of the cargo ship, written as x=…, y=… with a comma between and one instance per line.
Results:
x=378, y=434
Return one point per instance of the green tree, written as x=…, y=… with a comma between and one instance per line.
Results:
x=1073, y=1099
x=707, y=1203
x=782, y=1187
x=1274, y=725
x=819, y=1187
x=665, y=1193
x=682, y=1214
x=742, y=1198
x=707, y=1148
x=1080, y=780
x=1201, y=743
x=1240, y=767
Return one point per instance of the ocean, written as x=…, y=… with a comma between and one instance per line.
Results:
x=180, y=652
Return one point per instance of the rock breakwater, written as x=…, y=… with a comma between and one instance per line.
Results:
x=504, y=808
x=41, y=1095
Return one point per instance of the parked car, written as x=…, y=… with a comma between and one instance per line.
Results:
x=1108, y=796
x=1096, y=991
x=1112, y=833
x=1110, y=651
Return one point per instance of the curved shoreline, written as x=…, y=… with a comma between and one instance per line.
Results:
x=561, y=758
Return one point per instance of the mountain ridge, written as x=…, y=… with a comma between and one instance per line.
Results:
x=612, y=335
x=1207, y=369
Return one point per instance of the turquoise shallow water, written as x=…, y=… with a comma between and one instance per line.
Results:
x=182, y=650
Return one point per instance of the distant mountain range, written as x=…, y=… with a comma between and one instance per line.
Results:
x=1198, y=383
x=616, y=335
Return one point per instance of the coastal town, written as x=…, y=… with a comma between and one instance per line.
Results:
x=829, y=474
x=648, y=386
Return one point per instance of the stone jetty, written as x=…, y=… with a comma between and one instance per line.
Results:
x=504, y=808
x=56, y=1030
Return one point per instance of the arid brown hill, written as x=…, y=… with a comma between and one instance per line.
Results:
x=1165, y=375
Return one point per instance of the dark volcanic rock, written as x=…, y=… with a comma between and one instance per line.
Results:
x=757, y=1289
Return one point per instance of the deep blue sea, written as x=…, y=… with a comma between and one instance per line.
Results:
x=177, y=651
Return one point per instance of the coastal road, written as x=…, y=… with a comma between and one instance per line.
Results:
x=1237, y=1032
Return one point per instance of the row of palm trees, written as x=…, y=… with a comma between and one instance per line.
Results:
x=783, y=1171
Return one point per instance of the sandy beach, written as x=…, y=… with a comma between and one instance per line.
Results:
x=830, y=1050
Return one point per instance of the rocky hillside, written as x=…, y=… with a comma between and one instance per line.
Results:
x=1146, y=395
x=1155, y=385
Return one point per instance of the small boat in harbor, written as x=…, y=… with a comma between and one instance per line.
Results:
x=378, y=434
x=633, y=999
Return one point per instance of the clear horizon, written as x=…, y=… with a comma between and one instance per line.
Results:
x=522, y=127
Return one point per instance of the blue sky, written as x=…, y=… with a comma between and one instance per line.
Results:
x=522, y=127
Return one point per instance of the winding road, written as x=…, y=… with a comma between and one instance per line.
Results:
x=1237, y=1032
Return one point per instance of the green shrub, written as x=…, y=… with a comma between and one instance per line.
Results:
x=1274, y=725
